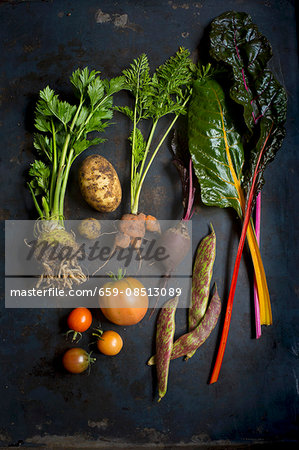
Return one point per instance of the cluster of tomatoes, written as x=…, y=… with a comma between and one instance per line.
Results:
x=127, y=306
x=77, y=360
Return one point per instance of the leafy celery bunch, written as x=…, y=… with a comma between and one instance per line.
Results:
x=62, y=136
x=167, y=91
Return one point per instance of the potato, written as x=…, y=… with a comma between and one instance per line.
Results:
x=90, y=228
x=99, y=184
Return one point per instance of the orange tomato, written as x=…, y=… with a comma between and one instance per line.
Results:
x=110, y=343
x=79, y=319
x=130, y=303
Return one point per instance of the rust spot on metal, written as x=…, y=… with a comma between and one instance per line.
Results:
x=120, y=21
x=4, y=214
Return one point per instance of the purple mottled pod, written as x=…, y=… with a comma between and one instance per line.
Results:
x=189, y=342
x=201, y=280
x=164, y=343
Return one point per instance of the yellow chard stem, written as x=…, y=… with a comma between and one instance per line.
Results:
x=262, y=287
x=264, y=298
x=263, y=293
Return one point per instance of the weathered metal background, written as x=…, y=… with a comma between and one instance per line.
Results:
x=256, y=398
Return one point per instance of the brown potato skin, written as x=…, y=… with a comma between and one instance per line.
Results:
x=99, y=184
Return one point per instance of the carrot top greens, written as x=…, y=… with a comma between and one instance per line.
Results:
x=167, y=91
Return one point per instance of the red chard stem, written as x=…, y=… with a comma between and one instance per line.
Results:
x=229, y=307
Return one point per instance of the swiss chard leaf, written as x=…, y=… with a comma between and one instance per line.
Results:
x=236, y=41
x=215, y=146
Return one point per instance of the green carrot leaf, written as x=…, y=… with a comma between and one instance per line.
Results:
x=167, y=84
x=139, y=147
x=166, y=92
x=137, y=77
x=126, y=111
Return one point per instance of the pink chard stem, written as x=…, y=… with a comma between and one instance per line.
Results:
x=188, y=214
x=258, y=205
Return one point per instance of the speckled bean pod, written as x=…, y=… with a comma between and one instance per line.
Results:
x=164, y=343
x=201, y=280
x=190, y=342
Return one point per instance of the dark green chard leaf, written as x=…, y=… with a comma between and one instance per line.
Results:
x=215, y=146
x=236, y=41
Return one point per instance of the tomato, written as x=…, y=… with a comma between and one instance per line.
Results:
x=130, y=303
x=110, y=343
x=77, y=360
x=79, y=319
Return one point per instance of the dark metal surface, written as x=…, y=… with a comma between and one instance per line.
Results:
x=256, y=397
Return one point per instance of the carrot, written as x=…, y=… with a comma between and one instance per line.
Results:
x=132, y=225
x=122, y=240
x=152, y=224
x=132, y=228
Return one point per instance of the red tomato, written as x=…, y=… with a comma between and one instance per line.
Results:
x=110, y=343
x=130, y=303
x=76, y=360
x=79, y=319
